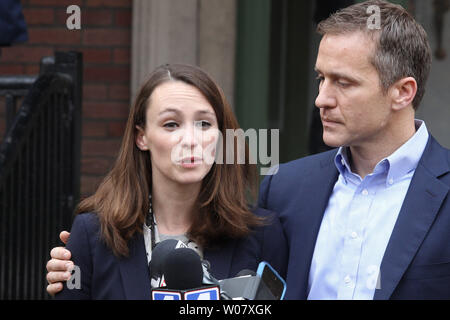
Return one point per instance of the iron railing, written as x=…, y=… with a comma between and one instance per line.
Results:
x=13, y=88
x=39, y=173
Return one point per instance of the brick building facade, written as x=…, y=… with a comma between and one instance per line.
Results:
x=237, y=42
x=105, y=41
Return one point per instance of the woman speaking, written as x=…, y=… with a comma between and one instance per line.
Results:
x=164, y=186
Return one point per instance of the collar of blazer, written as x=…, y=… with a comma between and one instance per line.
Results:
x=420, y=208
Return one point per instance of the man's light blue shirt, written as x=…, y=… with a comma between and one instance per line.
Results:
x=359, y=221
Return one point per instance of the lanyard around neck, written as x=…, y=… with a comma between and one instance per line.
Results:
x=150, y=222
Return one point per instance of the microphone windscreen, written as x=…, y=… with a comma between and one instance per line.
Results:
x=159, y=254
x=183, y=269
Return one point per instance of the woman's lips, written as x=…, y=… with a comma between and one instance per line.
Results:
x=191, y=162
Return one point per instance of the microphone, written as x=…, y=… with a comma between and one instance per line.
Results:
x=265, y=284
x=177, y=263
x=159, y=254
x=171, y=259
x=182, y=272
x=242, y=287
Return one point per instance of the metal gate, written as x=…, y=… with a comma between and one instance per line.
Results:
x=39, y=173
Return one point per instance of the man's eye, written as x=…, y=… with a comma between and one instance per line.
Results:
x=320, y=78
x=343, y=84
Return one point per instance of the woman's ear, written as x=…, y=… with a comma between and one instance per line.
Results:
x=141, y=140
x=403, y=93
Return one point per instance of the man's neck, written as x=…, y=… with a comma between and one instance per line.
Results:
x=364, y=158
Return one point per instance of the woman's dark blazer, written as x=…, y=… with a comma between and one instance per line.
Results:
x=104, y=276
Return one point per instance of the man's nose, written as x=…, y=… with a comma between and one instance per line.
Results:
x=326, y=97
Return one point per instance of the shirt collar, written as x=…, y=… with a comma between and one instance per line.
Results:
x=398, y=164
x=342, y=163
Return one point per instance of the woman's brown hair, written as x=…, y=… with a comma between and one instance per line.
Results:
x=121, y=201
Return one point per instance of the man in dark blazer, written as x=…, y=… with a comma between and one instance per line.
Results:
x=370, y=220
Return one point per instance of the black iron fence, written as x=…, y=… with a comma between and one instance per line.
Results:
x=12, y=90
x=39, y=171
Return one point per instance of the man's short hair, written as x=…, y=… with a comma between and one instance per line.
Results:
x=401, y=44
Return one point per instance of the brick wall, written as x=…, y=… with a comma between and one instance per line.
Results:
x=105, y=40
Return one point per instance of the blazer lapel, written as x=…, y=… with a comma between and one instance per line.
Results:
x=220, y=259
x=420, y=207
x=312, y=204
x=134, y=271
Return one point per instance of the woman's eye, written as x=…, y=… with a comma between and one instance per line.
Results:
x=206, y=124
x=171, y=125
x=203, y=124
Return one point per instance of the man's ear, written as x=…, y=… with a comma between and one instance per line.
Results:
x=141, y=140
x=403, y=93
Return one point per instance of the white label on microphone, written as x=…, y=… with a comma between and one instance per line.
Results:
x=180, y=244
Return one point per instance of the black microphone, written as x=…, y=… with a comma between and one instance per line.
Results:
x=183, y=269
x=182, y=272
x=159, y=254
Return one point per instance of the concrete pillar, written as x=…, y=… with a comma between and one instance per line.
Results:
x=163, y=32
x=434, y=108
x=217, y=42
x=197, y=32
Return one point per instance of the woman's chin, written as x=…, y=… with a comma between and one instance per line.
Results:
x=191, y=176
